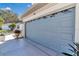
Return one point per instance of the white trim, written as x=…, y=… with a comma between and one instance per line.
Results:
x=77, y=24
x=51, y=9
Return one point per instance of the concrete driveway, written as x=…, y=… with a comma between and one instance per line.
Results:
x=24, y=47
x=18, y=48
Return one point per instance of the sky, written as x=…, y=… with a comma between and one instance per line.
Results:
x=18, y=8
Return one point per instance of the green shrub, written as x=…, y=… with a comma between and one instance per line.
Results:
x=12, y=26
x=2, y=32
x=1, y=22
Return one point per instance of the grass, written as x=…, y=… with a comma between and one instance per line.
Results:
x=5, y=32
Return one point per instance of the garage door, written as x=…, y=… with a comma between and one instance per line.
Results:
x=55, y=31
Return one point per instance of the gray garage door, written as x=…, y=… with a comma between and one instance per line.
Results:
x=55, y=31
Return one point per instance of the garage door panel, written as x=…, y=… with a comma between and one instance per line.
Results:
x=53, y=32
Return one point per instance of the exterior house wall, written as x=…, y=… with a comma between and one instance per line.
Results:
x=77, y=24
x=52, y=8
x=6, y=26
x=22, y=29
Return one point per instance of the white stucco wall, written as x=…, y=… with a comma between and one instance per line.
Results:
x=22, y=29
x=77, y=24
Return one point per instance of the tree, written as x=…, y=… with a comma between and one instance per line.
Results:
x=9, y=16
x=12, y=26
x=1, y=22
